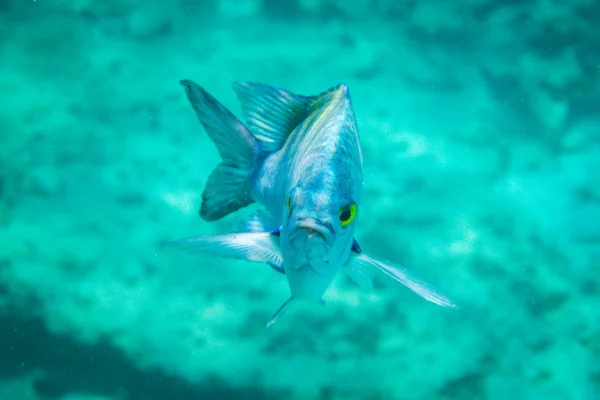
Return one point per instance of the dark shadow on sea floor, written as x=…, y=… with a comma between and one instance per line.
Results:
x=100, y=369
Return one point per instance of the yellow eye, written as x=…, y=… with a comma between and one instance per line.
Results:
x=347, y=214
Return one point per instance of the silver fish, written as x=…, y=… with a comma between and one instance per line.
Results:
x=299, y=157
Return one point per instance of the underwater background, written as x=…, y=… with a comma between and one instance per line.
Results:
x=480, y=129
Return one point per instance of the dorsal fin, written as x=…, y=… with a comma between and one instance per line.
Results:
x=272, y=113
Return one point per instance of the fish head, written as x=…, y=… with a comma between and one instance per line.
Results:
x=318, y=228
x=323, y=174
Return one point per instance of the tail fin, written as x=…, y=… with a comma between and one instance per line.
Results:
x=228, y=187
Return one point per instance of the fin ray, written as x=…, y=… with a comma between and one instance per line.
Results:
x=280, y=311
x=272, y=113
x=226, y=191
x=361, y=273
x=419, y=287
x=260, y=247
x=228, y=186
x=259, y=221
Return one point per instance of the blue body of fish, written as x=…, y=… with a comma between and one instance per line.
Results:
x=300, y=157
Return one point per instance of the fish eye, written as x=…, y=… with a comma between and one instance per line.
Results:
x=347, y=214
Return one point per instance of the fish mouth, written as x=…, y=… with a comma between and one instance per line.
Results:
x=314, y=227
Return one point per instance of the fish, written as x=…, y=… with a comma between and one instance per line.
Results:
x=299, y=157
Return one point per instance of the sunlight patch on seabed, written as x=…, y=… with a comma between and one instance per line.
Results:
x=469, y=236
x=420, y=145
x=201, y=330
x=176, y=304
x=214, y=312
x=352, y=298
x=116, y=296
x=439, y=153
x=217, y=314
x=417, y=144
x=210, y=339
x=513, y=186
x=183, y=201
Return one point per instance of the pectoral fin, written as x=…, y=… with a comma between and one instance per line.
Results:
x=361, y=273
x=259, y=221
x=359, y=265
x=280, y=311
x=260, y=247
x=285, y=307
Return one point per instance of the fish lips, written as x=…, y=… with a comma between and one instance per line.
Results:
x=314, y=228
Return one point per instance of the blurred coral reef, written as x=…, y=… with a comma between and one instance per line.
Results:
x=480, y=127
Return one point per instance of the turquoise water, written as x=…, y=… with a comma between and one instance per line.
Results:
x=480, y=130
